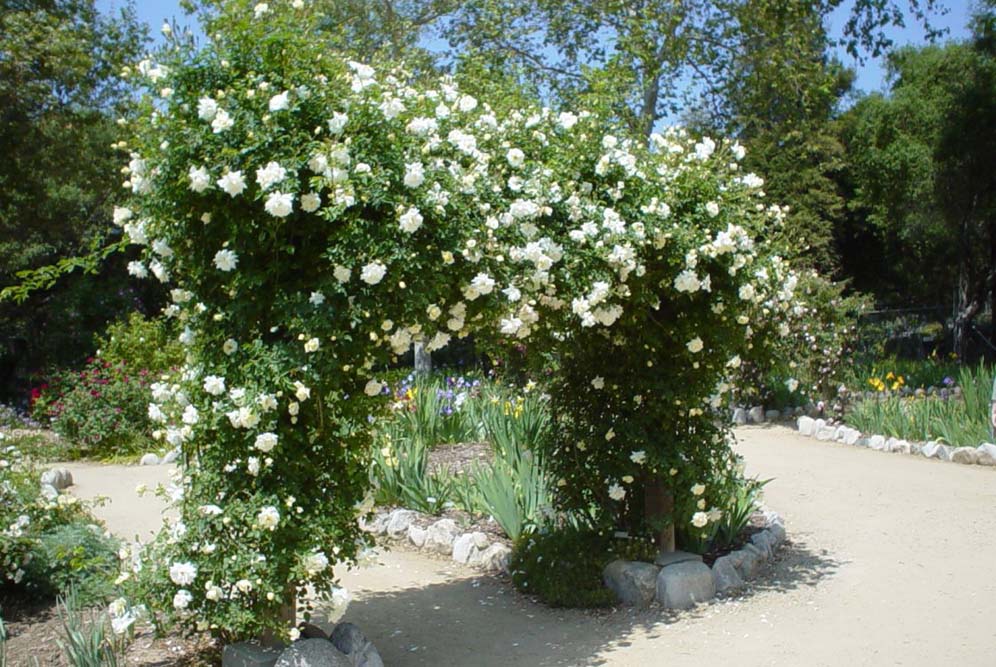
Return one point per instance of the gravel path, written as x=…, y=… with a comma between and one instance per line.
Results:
x=890, y=562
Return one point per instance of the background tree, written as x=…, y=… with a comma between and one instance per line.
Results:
x=924, y=188
x=59, y=97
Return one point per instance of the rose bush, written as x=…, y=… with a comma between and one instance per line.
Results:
x=314, y=217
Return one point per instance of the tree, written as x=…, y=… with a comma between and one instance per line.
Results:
x=59, y=97
x=921, y=161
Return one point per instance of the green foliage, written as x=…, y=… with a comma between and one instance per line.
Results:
x=88, y=640
x=141, y=343
x=77, y=556
x=959, y=421
x=101, y=410
x=563, y=565
x=48, y=543
x=736, y=516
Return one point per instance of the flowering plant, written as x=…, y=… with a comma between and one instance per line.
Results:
x=314, y=217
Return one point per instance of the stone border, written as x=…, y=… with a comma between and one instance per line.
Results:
x=441, y=537
x=681, y=580
x=152, y=459
x=984, y=454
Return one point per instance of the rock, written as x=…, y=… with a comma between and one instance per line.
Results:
x=890, y=443
x=852, y=436
x=965, y=455
x=772, y=415
x=749, y=561
x=149, y=459
x=359, y=651
x=480, y=540
x=376, y=525
x=805, y=425
x=739, y=416
x=987, y=454
x=935, y=450
x=496, y=557
x=863, y=442
x=777, y=533
x=666, y=558
x=825, y=433
x=440, y=536
x=171, y=456
x=49, y=492
x=246, y=654
x=312, y=653
x=756, y=414
x=762, y=541
x=876, y=442
x=464, y=548
x=901, y=447
x=725, y=577
x=398, y=522
x=818, y=424
x=839, y=432
x=58, y=478
x=309, y=631
x=417, y=535
x=633, y=582
x=682, y=585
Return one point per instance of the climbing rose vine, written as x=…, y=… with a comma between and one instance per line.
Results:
x=313, y=217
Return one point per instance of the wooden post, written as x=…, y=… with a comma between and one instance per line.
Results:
x=659, y=510
x=423, y=360
x=288, y=618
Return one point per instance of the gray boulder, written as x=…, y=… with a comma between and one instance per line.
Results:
x=725, y=576
x=987, y=454
x=806, y=425
x=59, y=478
x=965, y=455
x=171, y=456
x=440, y=536
x=464, y=549
x=756, y=414
x=398, y=522
x=876, y=442
x=496, y=557
x=376, y=525
x=249, y=654
x=762, y=541
x=359, y=651
x=935, y=450
x=776, y=532
x=750, y=561
x=633, y=582
x=149, y=459
x=901, y=447
x=49, y=492
x=417, y=535
x=313, y=653
x=739, y=416
x=772, y=415
x=683, y=585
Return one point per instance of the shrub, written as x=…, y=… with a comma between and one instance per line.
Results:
x=101, y=410
x=48, y=543
x=563, y=566
x=141, y=343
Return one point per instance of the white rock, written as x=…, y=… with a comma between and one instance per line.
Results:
x=417, y=535
x=49, y=492
x=806, y=425
x=965, y=455
x=441, y=535
x=496, y=557
x=171, y=456
x=683, y=585
x=901, y=447
x=877, y=442
x=149, y=459
x=481, y=540
x=725, y=576
x=987, y=454
x=58, y=478
x=935, y=450
x=756, y=414
x=739, y=416
x=825, y=433
x=463, y=548
x=839, y=432
x=633, y=582
x=376, y=525
x=852, y=436
x=398, y=522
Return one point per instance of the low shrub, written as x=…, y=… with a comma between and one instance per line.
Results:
x=139, y=342
x=562, y=566
x=101, y=410
x=48, y=543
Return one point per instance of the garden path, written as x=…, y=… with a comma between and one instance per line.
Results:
x=890, y=561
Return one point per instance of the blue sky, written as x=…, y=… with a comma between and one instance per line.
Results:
x=870, y=75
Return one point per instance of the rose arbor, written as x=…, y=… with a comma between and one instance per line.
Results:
x=314, y=217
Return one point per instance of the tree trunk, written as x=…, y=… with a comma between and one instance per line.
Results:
x=659, y=511
x=423, y=360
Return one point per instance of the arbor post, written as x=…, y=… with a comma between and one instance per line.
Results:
x=659, y=512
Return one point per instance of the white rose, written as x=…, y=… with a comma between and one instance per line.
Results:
x=373, y=273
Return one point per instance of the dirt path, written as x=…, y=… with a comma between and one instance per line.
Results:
x=891, y=563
